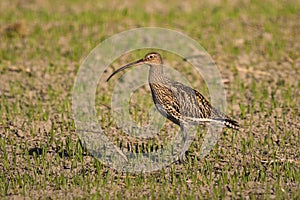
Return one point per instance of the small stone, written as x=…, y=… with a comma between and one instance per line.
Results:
x=239, y=42
x=20, y=133
x=267, y=36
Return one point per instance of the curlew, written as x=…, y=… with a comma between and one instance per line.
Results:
x=177, y=102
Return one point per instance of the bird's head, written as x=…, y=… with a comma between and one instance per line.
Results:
x=152, y=58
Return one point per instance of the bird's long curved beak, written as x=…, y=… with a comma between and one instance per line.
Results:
x=138, y=62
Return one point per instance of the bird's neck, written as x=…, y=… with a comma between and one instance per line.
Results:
x=156, y=74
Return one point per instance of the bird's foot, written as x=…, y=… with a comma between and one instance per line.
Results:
x=181, y=159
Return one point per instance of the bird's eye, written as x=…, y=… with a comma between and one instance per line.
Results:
x=150, y=56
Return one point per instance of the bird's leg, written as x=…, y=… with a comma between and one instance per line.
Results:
x=188, y=139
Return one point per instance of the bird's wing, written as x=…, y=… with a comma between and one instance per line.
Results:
x=182, y=104
x=214, y=114
x=198, y=109
x=192, y=102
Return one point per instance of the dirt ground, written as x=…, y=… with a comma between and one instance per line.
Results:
x=258, y=56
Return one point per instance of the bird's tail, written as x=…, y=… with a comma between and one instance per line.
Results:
x=229, y=123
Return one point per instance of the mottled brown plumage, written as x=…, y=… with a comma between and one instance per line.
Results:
x=177, y=102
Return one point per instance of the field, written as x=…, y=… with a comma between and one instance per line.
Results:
x=255, y=46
